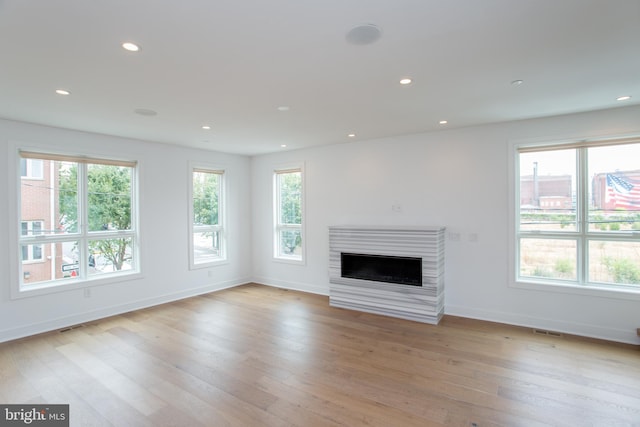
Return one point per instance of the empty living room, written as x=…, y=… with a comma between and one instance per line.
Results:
x=354, y=213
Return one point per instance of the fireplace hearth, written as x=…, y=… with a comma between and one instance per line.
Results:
x=394, y=271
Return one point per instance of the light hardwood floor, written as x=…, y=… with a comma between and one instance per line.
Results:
x=254, y=355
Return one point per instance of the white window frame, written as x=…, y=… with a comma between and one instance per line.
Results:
x=579, y=287
x=83, y=236
x=279, y=227
x=220, y=228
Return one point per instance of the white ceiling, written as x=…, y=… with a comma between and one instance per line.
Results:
x=231, y=63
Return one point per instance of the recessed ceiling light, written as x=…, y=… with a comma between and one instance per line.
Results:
x=206, y=127
x=131, y=47
x=517, y=82
x=283, y=145
x=623, y=98
x=405, y=81
x=352, y=135
x=145, y=112
x=283, y=108
x=62, y=92
x=364, y=34
x=443, y=122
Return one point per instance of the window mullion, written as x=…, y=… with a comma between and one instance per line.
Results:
x=582, y=213
x=83, y=215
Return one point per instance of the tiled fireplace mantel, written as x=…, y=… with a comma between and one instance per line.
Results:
x=419, y=303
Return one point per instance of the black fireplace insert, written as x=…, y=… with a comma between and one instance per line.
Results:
x=382, y=268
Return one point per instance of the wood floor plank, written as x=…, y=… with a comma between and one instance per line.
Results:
x=261, y=356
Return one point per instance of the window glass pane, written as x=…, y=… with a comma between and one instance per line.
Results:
x=43, y=200
x=206, y=246
x=109, y=197
x=290, y=243
x=37, y=252
x=59, y=263
x=37, y=168
x=548, y=190
x=290, y=191
x=110, y=255
x=614, y=188
x=66, y=186
x=548, y=258
x=206, y=195
x=614, y=262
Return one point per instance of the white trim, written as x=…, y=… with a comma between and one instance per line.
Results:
x=572, y=328
x=92, y=315
x=17, y=291
x=597, y=290
x=299, y=260
x=194, y=166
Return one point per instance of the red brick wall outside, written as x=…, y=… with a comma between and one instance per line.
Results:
x=36, y=198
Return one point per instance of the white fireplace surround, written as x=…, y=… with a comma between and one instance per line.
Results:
x=419, y=303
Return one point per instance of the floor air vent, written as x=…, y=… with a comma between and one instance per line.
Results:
x=548, y=333
x=71, y=328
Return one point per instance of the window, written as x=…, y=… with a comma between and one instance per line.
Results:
x=578, y=214
x=288, y=236
x=207, y=219
x=87, y=226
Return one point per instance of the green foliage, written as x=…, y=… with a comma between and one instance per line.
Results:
x=614, y=226
x=291, y=198
x=68, y=196
x=108, y=205
x=206, y=195
x=623, y=270
x=564, y=266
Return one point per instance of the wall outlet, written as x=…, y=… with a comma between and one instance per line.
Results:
x=87, y=292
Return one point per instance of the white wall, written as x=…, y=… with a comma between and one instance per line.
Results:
x=456, y=178
x=164, y=178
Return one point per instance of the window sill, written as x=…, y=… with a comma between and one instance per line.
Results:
x=602, y=291
x=72, y=285
x=295, y=261
x=210, y=264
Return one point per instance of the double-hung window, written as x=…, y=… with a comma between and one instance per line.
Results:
x=578, y=214
x=78, y=218
x=288, y=214
x=207, y=234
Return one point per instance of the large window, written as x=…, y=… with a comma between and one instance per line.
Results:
x=78, y=219
x=288, y=230
x=578, y=214
x=207, y=225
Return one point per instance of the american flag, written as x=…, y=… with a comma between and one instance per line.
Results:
x=622, y=194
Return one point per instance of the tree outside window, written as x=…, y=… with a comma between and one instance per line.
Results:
x=89, y=228
x=288, y=226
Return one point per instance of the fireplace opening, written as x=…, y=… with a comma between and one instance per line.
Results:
x=382, y=268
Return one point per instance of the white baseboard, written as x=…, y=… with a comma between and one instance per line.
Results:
x=580, y=329
x=294, y=286
x=89, y=316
